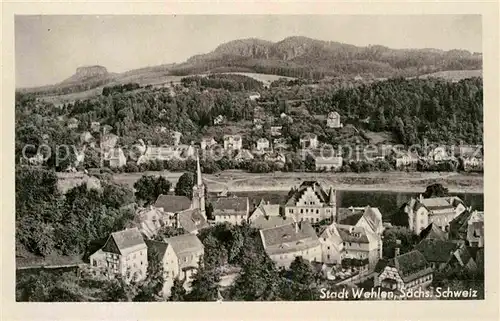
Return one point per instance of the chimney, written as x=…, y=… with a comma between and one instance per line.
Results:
x=397, y=249
x=420, y=198
x=297, y=227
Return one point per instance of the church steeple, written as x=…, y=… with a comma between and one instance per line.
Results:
x=199, y=189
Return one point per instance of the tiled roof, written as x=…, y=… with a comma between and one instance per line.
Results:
x=373, y=217
x=161, y=247
x=432, y=232
x=354, y=234
x=264, y=222
x=185, y=244
x=458, y=226
x=289, y=237
x=437, y=250
x=320, y=192
x=128, y=238
x=231, y=203
x=192, y=220
x=173, y=203
x=436, y=203
x=411, y=265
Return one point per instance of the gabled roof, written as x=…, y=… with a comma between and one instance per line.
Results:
x=127, y=239
x=352, y=234
x=161, y=247
x=185, y=244
x=319, y=191
x=411, y=265
x=231, y=203
x=331, y=233
x=458, y=226
x=289, y=237
x=192, y=220
x=432, y=232
x=437, y=250
x=373, y=217
x=173, y=203
x=266, y=222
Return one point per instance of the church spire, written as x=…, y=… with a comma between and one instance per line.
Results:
x=199, y=181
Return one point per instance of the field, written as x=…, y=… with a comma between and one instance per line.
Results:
x=239, y=181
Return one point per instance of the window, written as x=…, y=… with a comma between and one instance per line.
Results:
x=94, y=262
x=141, y=262
x=328, y=256
x=317, y=219
x=301, y=211
x=307, y=210
x=317, y=211
x=328, y=247
x=290, y=210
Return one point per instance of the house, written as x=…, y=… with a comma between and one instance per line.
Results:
x=409, y=271
x=280, y=144
x=254, y=96
x=332, y=246
x=405, y=158
x=108, y=141
x=432, y=232
x=151, y=219
x=153, y=153
x=267, y=215
x=471, y=157
x=115, y=158
x=73, y=123
x=286, y=242
x=262, y=144
x=446, y=254
x=325, y=160
x=360, y=243
x=333, y=120
x=243, y=155
x=275, y=157
x=438, y=210
x=312, y=203
x=207, y=142
x=191, y=221
x=232, y=142
x=309, y=141
x=180, y=256
x=124, y=254
x=95, y=126
x=469, y=227
x=440, y=154
x=176, y=136
x=276, y=130
x=231, y=209
x=218, y=120
x=371, y=220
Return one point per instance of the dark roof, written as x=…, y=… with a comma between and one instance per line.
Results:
x=264, y=222
x=410, y=265
x=192, y=220
x=352, y=219
x=437, y=250
x=458, y=226
x=161, y=247
x=233, y=203
x=320, y=192
x=127, y=238
x=432, y=232
x=173, y=203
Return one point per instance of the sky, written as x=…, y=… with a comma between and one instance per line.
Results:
x=49, y=48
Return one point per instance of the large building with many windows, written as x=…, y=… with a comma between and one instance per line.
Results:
x=310, y=202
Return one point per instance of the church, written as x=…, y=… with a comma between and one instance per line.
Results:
x=176, y=211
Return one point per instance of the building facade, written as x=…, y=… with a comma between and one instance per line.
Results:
x=311, y=203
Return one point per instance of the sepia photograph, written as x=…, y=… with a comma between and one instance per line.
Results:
x=225, y=158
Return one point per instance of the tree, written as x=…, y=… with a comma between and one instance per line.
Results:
x=394, y=234
x=116, y=195
x=184, y=186
x=301, y=271
x=435, y=190
x=117, y=290
x=205, y=285
x=177, y=292
x=148, y=188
